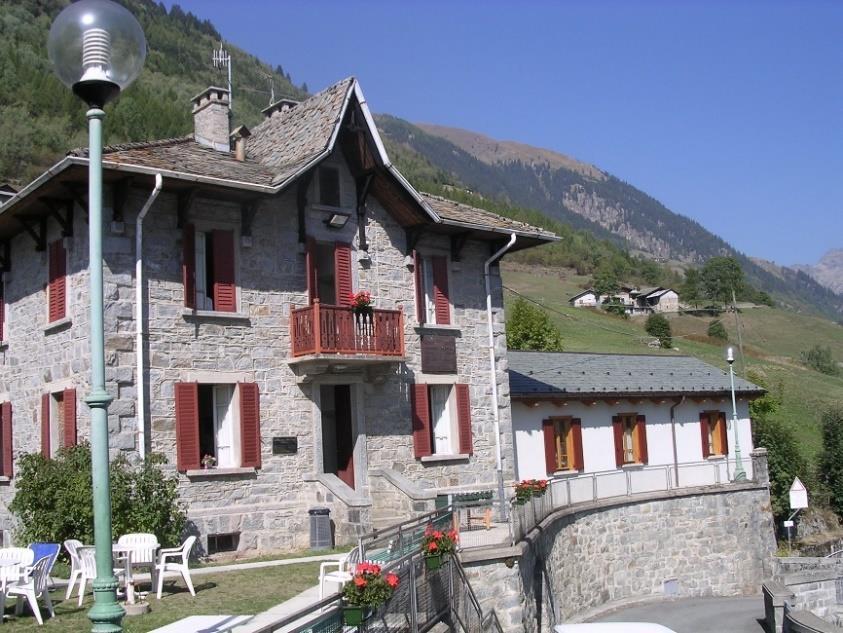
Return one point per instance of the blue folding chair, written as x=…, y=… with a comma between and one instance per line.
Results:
x=50, y=550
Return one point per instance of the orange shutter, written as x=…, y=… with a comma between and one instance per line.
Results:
x=724, y=433
x=704, y=432
x=187, y=426
x=576, y=437
x=225, y=290
x=45, y=425
x=57, y=289
x=617, y=428
x=188, y=265
x=6, y=438
x=440, y=290
x=549, y=446
x=310, y=268
x=641, y=431
x=250, y=425
x=342, y=273
x=421, y=420
x=464, y=420
x=419, y=279
x=68, y=404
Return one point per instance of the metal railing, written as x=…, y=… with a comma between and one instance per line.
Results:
x=398, y=540
x=465, y=607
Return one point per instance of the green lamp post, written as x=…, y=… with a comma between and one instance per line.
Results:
x=740, y=473
x=97, y=48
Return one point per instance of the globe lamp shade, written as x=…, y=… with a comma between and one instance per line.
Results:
x=97, y=48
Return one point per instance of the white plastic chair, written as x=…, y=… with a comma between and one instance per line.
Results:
x=33, y=585
x=164, y=565
x=72, y=546
x=343, y=574
x=144, y=553
x=88, y=568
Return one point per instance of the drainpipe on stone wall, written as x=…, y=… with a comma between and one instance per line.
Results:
x=139, y=322
x=673, y=433
x=494, y=373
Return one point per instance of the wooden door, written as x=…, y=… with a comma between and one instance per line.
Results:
x=345, y=434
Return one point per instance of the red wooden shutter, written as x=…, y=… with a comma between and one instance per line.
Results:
x=641, y=430
x=440, y=290
x=187, y=426
x=549, y=446
x=188, y=265
x=250, y=425
x=58, y=281
x=68, y=404
x=6, y=438
x=724, y=433
x=617, y=428
x=464, y=420
x=576, y=437
x=45, y=425
x=342, y=273
x=225, y=290
x=704, y=431
x=421, y=312
x=420, y=403
x=310, y=270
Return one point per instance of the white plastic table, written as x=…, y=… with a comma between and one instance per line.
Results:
x=123, y=554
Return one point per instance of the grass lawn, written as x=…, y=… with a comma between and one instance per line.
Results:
x=232, y=593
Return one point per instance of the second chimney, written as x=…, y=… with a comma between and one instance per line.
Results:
x=211, y=118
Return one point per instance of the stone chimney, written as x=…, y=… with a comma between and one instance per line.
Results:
x=211, y=118
x=238, y=141
x=282, y=105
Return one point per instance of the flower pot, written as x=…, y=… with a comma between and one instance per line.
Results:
x=355, y=616
x=433, y=561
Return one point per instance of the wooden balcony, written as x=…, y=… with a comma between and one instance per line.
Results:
x=324, y=330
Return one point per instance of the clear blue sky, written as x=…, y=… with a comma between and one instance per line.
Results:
x=730, y=112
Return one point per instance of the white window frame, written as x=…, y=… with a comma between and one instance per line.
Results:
x=233, y=413
x=56, y=433
x=452, y=422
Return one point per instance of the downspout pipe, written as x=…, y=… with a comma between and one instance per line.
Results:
x=139, y=321
x=673, y=434
x=493, y=374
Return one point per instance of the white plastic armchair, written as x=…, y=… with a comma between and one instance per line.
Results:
x=144, y=552
x=72, y=546
x=88, y=568
x=175, y=560
x=31, y=586
x=343, y=573
x=20, y=558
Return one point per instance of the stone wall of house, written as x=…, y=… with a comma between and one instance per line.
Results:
x=708, y=542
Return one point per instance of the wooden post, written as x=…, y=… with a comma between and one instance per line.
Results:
x=317, y=328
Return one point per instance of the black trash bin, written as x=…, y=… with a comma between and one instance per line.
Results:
x=320, y=528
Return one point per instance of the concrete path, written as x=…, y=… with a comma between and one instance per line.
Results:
x=697, y=615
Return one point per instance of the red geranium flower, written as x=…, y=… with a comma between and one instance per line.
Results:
x=432, y=546
x=360, y=581
x=392, y=580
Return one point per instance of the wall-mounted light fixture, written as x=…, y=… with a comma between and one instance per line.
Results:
x=337, y=220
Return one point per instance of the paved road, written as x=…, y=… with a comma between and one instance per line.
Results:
x=697, y=615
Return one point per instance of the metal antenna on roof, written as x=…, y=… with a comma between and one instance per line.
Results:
x=271, y=79
x=222, y=59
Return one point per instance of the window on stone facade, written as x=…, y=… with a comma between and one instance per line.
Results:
x=208, y=269
x=630, y=431
x=329, y=272
x=441, y=418
x=58, y=421
x=433, y=304
x=713, y=433
x=329, y=186
x=6, y=444
x=57, y=281
x=218, y=420
x=563, y=444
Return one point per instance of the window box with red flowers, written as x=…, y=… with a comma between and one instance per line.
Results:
x=436, y=545
x=361, y=302
x=366, y=591
x=528, y=489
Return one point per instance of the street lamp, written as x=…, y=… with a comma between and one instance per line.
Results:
x=97, y=48
x=740, y=473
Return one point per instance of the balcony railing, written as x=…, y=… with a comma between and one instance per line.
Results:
x=325, y=329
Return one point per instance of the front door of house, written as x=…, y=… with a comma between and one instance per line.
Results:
x=337, y=432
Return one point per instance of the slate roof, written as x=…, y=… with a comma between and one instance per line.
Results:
x=451, y=211
x=574, y=373
x=587, y=291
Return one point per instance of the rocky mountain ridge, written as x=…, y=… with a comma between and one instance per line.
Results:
x=828, y=271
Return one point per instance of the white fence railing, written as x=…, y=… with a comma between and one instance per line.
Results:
x=569, y=490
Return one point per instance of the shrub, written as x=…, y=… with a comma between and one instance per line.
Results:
x=529, y=328
x=657, y=325
x=54, y=501
x=830, y=470
x=717, y=330
x=819, y=358
x=614, y=306
x=784, y=461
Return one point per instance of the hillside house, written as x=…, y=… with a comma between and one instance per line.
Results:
x=251, y=351
x=585, y=299
x=575, y=415
x=634, y=300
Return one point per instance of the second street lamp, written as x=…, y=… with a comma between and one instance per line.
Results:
x=97, y=48
x=740, y=473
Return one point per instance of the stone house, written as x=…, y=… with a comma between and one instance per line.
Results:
x=586, y=299
x=649, y=417
x=247, y=348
